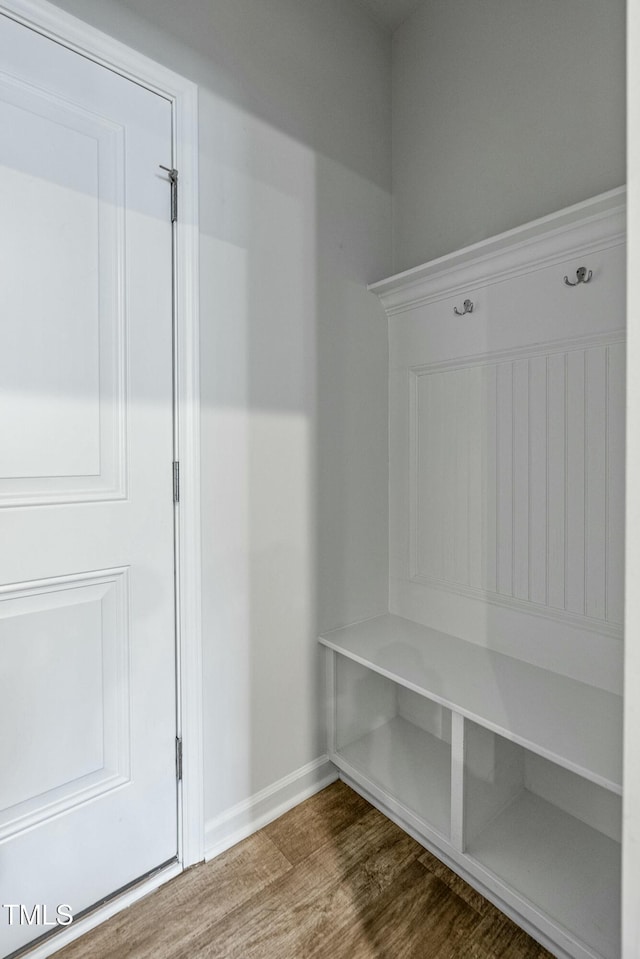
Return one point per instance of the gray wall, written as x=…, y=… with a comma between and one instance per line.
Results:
x=503, y=111
x=295, y=216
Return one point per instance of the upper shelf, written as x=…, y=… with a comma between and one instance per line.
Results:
x=576, y=230
x=575, y=725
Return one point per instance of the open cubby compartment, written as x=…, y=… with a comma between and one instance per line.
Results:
x=394, y=742
x=548, y=834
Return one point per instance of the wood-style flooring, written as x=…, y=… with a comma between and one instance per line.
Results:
x=331, y=879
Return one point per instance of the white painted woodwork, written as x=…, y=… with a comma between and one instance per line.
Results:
x=538, y=839
x=506, y=443
x=506, y=599
x=517, y=482
x=569, y=233
x=547, y=712
x=87, y=619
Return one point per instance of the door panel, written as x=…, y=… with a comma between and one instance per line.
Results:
x=61, y=287
x=76, y=632
x=88, y=799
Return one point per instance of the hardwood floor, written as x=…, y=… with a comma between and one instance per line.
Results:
x=332, y=879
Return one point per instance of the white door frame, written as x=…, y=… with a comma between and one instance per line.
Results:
x=60, y=26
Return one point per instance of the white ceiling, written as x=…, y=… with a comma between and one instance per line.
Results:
x=390, y=13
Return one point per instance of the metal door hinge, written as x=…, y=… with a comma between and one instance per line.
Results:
x=176, y=481
x=178, y=758
x=173, y=180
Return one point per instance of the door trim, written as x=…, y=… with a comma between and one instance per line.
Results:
x=73, y=33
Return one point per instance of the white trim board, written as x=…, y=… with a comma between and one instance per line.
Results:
x=50, y=21
x=247, y=817
x=596, y=224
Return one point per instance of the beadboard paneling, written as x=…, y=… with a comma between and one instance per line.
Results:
x=518, y=464
x=506, y=443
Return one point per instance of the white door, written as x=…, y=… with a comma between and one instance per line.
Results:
x=88, y=799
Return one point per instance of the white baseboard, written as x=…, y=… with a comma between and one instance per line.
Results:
x=240, y=821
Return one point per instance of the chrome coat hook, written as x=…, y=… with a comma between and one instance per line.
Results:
x=467, y=307
x=581, y=276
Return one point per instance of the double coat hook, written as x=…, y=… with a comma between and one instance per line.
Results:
x=582, y=276
x=467, y=307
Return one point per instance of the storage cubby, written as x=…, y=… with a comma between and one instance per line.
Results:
x=548, y=834
x=486, y=759
x=395, y=740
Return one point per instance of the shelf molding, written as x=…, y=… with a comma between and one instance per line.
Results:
x=596, y=224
